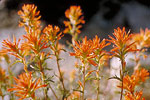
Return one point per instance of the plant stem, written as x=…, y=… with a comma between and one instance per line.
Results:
x=53, y=92
x=83, y=81
x=60, y=74
x=98, y=82
x=43, y=78
x=122, y=75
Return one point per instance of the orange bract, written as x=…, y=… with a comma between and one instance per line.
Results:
x=129, y=83
x=30, y=17
x=35, y=42
x=84, y=50
x=142, y=74
x=74, y=14
x=142, y=39
x=13, y=48
x=135, y=96
x=25, y=86
x=52, y=33
x=121, y=42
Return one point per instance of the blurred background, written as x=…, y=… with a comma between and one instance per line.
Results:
x=101, y=16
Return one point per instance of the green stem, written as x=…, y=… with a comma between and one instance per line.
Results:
x=83, y=81
x=53, y=92
x=122, y=75
x=43, y=78
x=98, y=82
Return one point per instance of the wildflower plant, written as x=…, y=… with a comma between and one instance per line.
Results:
x=40, y=44
x=75, y=20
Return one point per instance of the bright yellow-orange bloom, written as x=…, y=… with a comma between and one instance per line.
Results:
x=135, y=96
x=30, y=17
x=74, y=14
x=25, y=86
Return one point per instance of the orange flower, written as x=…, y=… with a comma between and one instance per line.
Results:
x=35, y=42
x=74, y=14
x=136, y=96
x=3, y=76
x=30, y=17
x=26, y=86
x=142, y=74
x=84, y=51
x=13, y=48
x=142, y=39
x=52, y=33
x=129, y=83
x=101, y=54
x=121, y=42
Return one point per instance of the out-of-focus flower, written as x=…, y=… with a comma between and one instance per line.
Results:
x=142, y=39
x=121, y=42
x=25, y=86
x=135, y=96
x=74, y=14
x=30, y=17
x=72, y=75
x=142, y=74
x=52, y=33
x=3, y=76
x=74, y=96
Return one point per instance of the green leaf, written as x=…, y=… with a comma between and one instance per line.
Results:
x=116, y=77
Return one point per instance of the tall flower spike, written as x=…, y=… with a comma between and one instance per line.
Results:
x=74, y=14
x=121, y=42
x=25, y=86
x=30, y=17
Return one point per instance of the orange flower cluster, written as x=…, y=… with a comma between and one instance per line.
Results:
x=129, y=83
x=13, y=48
x=142, y=39
x=74, y=14
x=25, y=86
x=89, y=49
x=52, y=33
x=30, y=17
x=121, y=42
x=135, y=96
